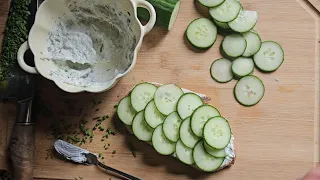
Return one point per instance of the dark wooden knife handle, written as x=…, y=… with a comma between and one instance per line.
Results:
x=22, y=151
x=22, y=144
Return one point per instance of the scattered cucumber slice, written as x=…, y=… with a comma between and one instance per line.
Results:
x=242, y=67
x=140, y=128
x=205, y=161
x=152, y=115
x=171, y=126
x=221, y=70
x=253, y=43
x=249, y=90
x=162, y=144
x=202, y=33
x=245, y=21
x=125, y=111
x=166, y=98
x=141, y=95
x=187, y=104
x=227, y=11
x=200, y=117
x=217, y=132
x=187, y=137
x=270, y=56
x=184, y=153
x=211, y=3
x=215, y=152
x=234, y=45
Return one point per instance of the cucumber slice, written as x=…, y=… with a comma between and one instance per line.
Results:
x=221, y=70
x=187, y=137
x=242, y=67
x=270, y=56
x=152, y=115
x=167, y=12
x=162, y=144
x=215, y=152
x=222, y=25
x=187, y=104
x=227, y=11
x=141, y=95
x=249, y=90
x=200, y=117
x=166, y=98
x=211, y=3
x=205, y=161
x=245, y=21
x=184, y=153
x=253, y=43
x=234, y=45
x=202, y=33
x=125, y=111
x=171, y=126
x=140, y=128
x=217, y=132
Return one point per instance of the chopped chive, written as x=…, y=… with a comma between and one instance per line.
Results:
x=105, y=117
x=101, y=128
x=98, y=117
x=132, y=149
x=110, y=131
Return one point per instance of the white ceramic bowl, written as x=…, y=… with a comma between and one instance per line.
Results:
x=46, y=17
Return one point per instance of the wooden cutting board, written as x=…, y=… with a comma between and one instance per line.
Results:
x=276, y=139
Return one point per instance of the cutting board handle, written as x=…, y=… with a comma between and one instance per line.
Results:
x=22, y=145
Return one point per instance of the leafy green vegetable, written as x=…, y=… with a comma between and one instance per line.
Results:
x=15, y=34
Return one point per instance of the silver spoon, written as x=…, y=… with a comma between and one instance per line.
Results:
x=82, y=156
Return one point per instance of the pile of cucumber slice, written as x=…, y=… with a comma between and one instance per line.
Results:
x=177, y=123
x=242, y=47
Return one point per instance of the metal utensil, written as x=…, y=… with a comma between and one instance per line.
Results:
x=82, y=156
x=19, y=85
x=22, y=144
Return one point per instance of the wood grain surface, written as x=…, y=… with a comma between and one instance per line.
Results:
x=276, y=139
x=315, y=4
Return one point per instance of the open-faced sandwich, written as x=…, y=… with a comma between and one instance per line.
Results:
x=180, y=123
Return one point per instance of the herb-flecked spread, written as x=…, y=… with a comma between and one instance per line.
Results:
x=15, y=34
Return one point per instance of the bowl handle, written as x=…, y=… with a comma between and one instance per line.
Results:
x=20, y=56
x=145, y=4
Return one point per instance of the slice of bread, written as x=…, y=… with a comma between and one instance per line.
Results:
x=230, y=149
